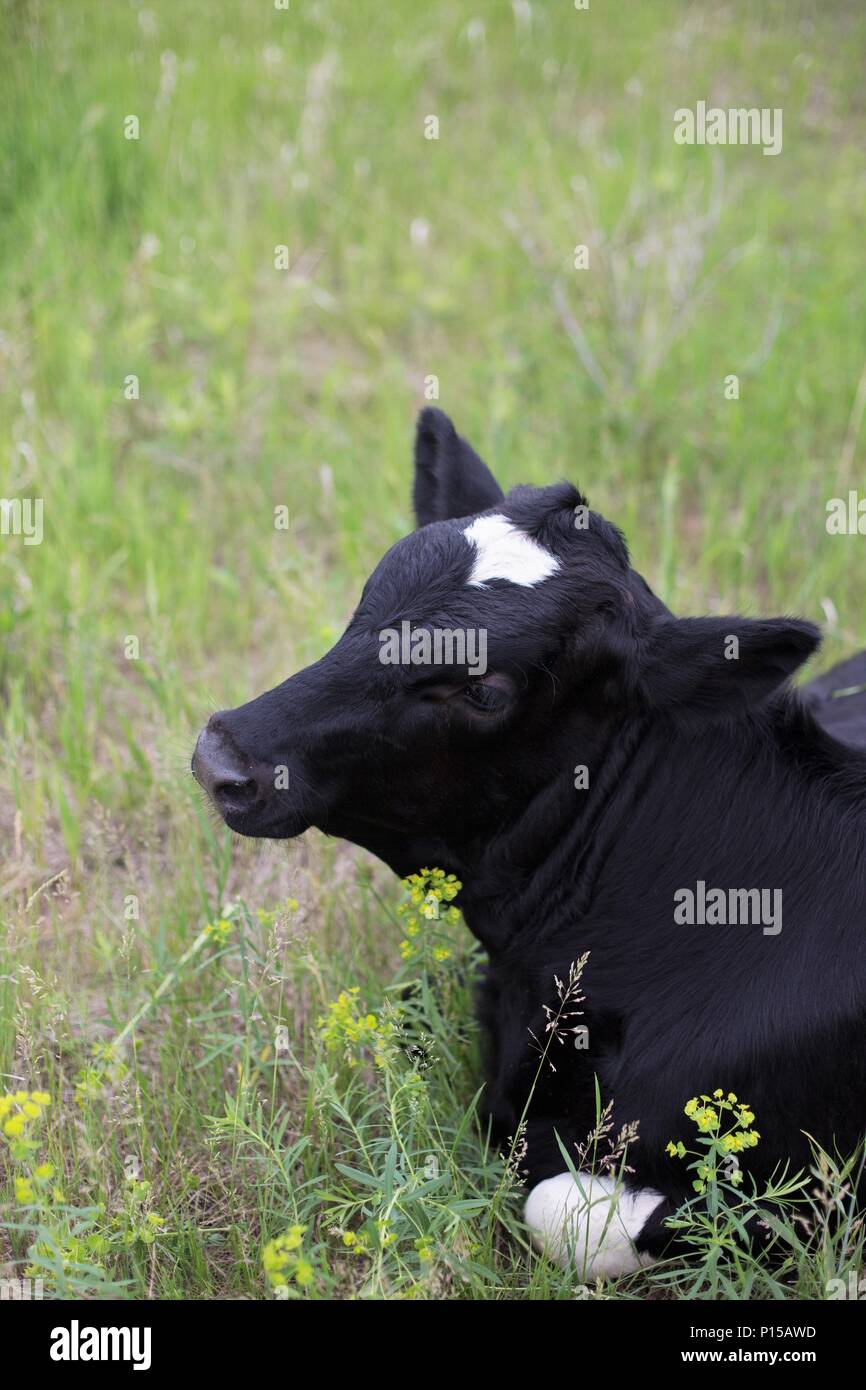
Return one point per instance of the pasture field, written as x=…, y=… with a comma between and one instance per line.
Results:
x=218, y=1023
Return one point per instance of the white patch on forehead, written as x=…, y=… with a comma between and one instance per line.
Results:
x=505, y=552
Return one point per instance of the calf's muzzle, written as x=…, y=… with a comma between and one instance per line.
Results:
x=227, y=775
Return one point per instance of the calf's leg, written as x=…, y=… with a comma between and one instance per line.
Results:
x=594, y=1224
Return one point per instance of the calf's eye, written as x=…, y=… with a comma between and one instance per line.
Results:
x=485, y=697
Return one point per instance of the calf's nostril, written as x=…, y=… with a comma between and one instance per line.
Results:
x=235, y=793
x=224, y=771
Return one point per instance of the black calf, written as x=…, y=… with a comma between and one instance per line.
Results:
x=610, y=779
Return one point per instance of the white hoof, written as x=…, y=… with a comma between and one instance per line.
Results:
x=592, y=1224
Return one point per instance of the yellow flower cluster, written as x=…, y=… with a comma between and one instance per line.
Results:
x=19, y=1112
x=428, y=892
x=706, y=1112
x=269, y=918
x=357, y=1242
x=24, y=1190
x=736, y=1143
x=431, y=887
x=219, y=931
x=19, y=1109
x=349, y=1028
x=727, y=1124
x=283, y=1259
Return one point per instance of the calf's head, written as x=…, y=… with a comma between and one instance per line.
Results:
x=490, y=649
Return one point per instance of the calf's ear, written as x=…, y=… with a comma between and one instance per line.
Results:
x=720, y=666
x=450, y=478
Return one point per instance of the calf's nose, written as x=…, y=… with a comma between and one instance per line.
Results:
x=223, y=771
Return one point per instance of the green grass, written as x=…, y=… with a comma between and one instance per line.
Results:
x=260, y=388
